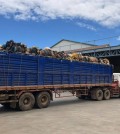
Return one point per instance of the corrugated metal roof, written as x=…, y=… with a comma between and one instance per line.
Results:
x=73, y=42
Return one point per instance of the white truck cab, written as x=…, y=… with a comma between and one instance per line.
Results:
x=117, y=78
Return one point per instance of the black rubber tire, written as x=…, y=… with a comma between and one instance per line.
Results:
x=26, y=101
x=107, y=94
x=99, y=94
x=43, y=100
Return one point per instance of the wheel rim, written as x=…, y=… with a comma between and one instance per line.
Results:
x=99, y=94
x=107, y=94
x=26, y=101
x=44, y=99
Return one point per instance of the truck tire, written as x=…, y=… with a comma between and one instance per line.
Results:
x=107, y=94
x=99, y=94
x=26, y=101
x=43, y=100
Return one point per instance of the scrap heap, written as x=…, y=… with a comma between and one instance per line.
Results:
x=13, y=47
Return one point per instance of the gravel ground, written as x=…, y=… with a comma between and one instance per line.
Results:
x=64, y=116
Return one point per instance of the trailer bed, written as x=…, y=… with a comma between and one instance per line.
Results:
x=18, y=71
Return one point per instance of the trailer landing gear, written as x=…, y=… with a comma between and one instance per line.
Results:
x=82, y=97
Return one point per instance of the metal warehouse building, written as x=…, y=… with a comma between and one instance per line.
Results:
x=103, y=51
x=66, y=45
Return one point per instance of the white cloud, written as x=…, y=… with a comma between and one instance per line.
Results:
x=84, y=25
x=104, y=12
x=118, y=38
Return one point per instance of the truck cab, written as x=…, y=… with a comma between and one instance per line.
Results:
x=116, y=77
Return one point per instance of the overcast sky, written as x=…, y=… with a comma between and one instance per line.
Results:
x=45, y=22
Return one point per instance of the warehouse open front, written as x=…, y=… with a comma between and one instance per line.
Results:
x=115, y=60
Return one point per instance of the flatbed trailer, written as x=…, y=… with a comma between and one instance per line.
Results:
x=27, y=81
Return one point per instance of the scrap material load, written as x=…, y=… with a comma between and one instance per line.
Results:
x=13, y=47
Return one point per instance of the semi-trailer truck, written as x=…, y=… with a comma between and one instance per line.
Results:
x=27, y=81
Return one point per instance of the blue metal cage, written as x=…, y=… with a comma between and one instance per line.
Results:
x=25, y=70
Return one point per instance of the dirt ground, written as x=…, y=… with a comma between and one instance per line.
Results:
x=64, y=116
